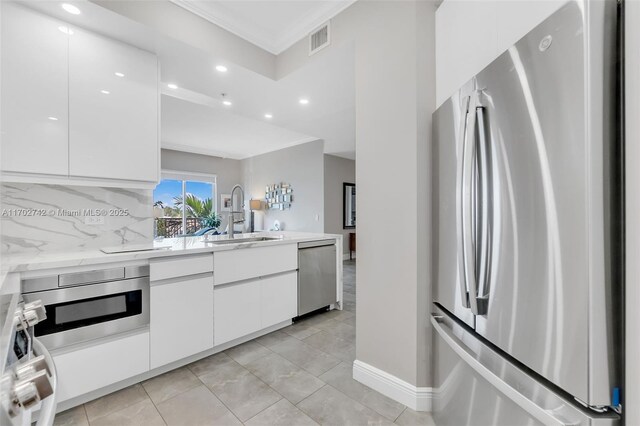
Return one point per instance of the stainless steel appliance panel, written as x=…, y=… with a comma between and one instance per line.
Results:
x=88, y=277
x=86, y=294
x=533, y=209
x=449, y=128
x=316, y=276
x=475, y=385
x=531, y=117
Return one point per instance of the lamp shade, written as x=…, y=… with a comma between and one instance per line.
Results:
x=255, y=204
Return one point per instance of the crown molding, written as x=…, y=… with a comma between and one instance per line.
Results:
x=272, y=43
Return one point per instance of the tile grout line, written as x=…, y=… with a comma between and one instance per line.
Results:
x=250, y=372
x=84, y=410
x=153, y=402
x=360, y=403
x=266, y=408
x=401, y=413
x=363, y=403
x=214, y=394
x=347, y=397
x=116, y=410
x=301, y=409
x=276, y=391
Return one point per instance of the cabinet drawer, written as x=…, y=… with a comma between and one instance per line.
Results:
x=181, y=319
x=236, y=311
x=238, y=265
x=180, y=266
x=94, y=367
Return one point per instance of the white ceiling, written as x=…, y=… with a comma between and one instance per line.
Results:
x=273, y=25
x=191, y=127
x=203, y=125
x=328, y=83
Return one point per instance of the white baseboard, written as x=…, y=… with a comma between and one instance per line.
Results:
x=345, y=256
x=416, y=398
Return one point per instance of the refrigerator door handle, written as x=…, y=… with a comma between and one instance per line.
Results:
x=477, y=219
x=484, y=242
x=460, y=209
x=468, y=201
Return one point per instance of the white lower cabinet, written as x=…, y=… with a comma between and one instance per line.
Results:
x=181, y=318
x=85, y=369
x=248, y=306
x=279, y=299
x=236, y=310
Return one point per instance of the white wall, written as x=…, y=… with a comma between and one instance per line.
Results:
x=337, y=171
x=395, y=96
x=302, y=166
x=632, y=237
x=228, y=172
x=470, y=34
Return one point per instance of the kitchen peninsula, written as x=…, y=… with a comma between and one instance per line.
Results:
x=118, y=318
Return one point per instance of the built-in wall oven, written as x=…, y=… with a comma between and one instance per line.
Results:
x=89, y=305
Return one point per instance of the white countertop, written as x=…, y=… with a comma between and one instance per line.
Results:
x=170, y=247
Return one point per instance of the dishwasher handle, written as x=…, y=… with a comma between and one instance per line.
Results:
x=313, y=244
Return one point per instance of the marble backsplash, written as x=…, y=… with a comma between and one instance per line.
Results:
x=61, y=212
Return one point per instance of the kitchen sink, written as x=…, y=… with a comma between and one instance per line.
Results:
x=244, y=240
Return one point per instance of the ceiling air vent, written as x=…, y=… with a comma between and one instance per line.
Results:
x=320, y=38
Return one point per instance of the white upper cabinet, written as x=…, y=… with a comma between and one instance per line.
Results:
x=77, y=108
x=34, y=93
x=470, y=34
x=113, y=108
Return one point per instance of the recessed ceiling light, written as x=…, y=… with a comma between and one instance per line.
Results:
x=119, y=74
x=105, y=92
x=66, y=30
x=71, y=9
x=225, y=101
x=172, y=86
x=303, y=101
x=268, y=116
x=53, y=118
x=221, y=68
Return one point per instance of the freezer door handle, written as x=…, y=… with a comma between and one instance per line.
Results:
x=460, y=209
x=470, y=358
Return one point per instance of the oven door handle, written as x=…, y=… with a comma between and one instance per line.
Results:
x=49, y=404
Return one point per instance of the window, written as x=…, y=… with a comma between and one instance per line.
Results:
x=185, y=204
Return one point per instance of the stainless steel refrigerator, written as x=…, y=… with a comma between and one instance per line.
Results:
x=527, y=231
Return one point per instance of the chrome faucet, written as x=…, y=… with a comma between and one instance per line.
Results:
x=232, y=213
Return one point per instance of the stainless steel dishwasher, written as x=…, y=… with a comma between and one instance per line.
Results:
x=317, y=281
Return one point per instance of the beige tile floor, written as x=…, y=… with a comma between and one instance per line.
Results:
x=300, y=375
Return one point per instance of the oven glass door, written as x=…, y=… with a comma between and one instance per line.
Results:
x=81, y=313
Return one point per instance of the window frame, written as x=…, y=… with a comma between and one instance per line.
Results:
x=186, y=176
